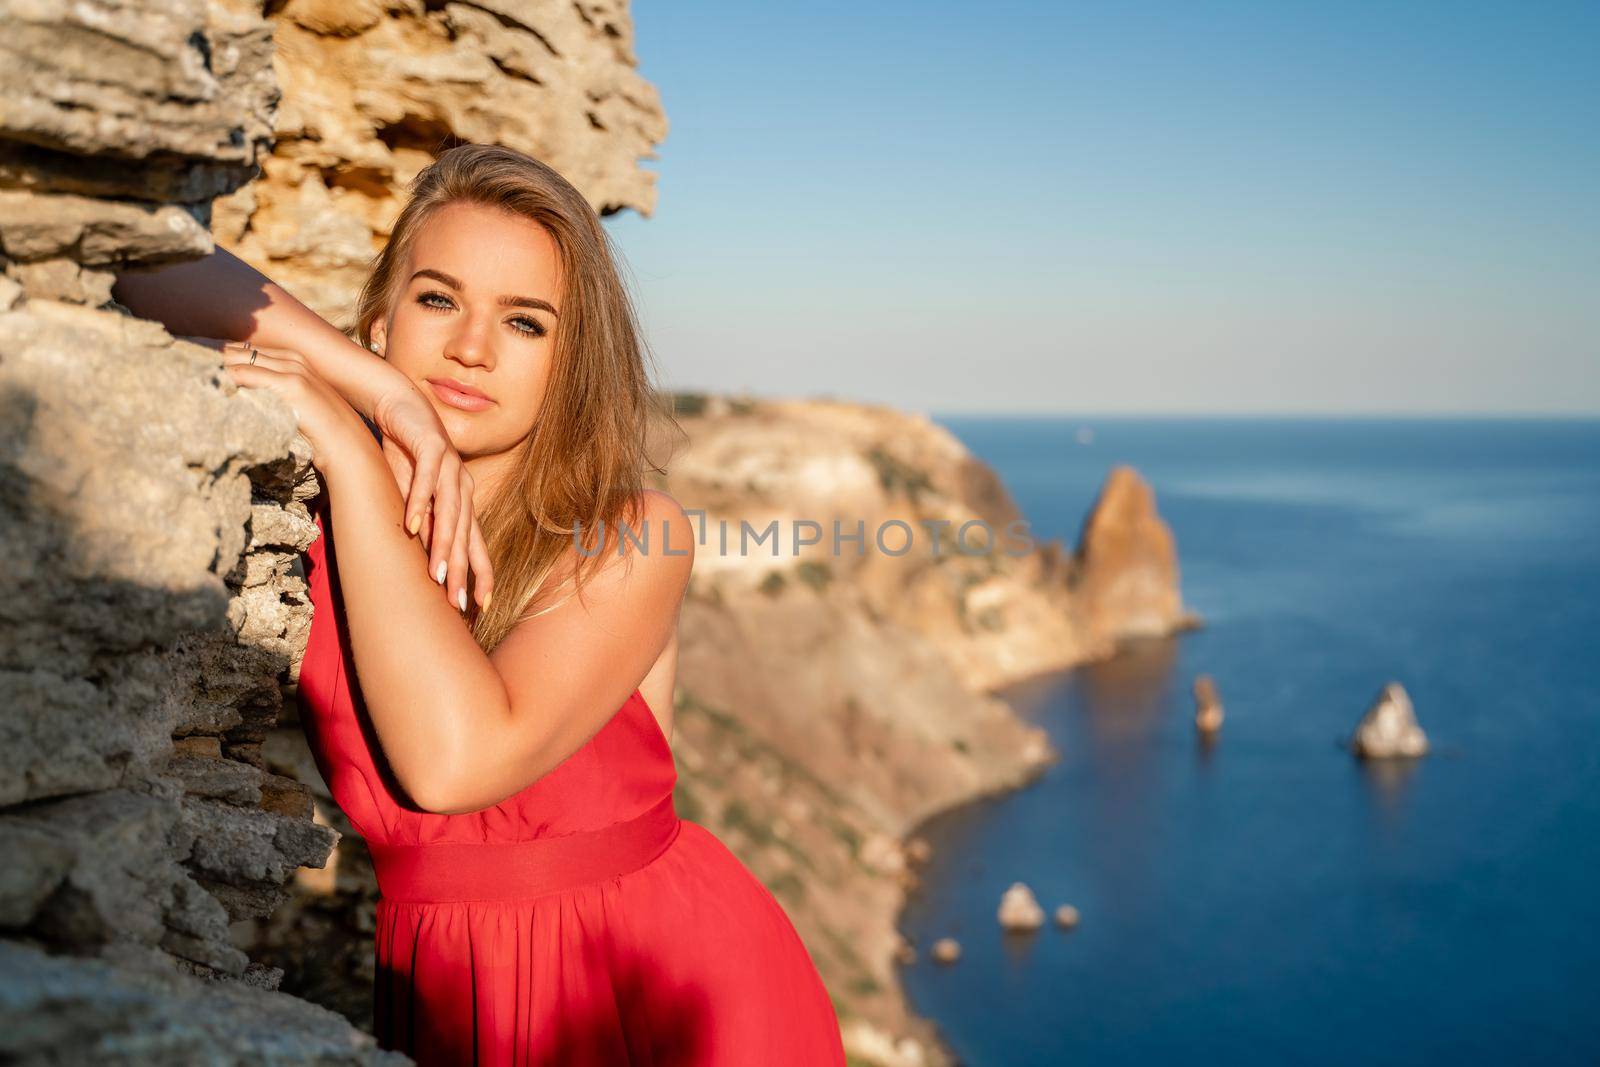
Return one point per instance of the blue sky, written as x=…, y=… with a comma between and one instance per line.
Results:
x=1225, y=207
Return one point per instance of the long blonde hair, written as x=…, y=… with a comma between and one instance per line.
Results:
x=583, y=464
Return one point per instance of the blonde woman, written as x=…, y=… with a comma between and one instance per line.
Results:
x=502, y=744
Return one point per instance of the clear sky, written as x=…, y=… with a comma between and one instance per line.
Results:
x=1123, y=207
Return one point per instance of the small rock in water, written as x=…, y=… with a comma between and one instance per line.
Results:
x=1389, y=728
x=946, y=950
x=918, y=850
x=1207, y=705
x=1067, y=916
x=1019, y=910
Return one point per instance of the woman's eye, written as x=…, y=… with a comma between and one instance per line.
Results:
x=437, y=301
x=531, y=327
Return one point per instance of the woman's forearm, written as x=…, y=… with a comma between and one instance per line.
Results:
x=222, y=296
x=436, y=701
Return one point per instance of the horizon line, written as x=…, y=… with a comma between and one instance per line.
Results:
x=1574, y=415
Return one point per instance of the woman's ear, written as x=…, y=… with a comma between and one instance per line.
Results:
x=380, y=337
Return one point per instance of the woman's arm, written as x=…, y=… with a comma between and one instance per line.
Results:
x=222, y=296
x=463, y=730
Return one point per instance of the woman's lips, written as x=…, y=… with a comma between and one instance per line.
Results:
x=459, y=394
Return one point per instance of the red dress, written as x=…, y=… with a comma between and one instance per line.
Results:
x=579, y=922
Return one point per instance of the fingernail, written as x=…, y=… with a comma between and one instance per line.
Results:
x=414, y=523
x=439, y=574
x=486, y=598
x=461, y=598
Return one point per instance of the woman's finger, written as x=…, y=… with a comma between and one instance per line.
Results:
x=446, y=514
x=458, y=545
x=425, y=531
x=400, y=465
x=261, y=377
x=245, y=347
x=423, y=480
x=482, y=571
x=279, y=359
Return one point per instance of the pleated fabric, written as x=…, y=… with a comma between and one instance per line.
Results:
x=596, y=928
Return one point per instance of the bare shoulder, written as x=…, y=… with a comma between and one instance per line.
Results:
x=667, y=533
x=654, y=538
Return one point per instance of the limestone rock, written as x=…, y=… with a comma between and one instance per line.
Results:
x=56, y=1010
x=1067, y=916
x=946, y=950
x=145, y=636
x=1389, y=728
x=1126, y=566
x=372, y=91
x=1019, y=910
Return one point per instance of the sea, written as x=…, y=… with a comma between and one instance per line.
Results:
x=1269, y=899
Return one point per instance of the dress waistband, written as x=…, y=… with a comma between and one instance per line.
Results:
x=463, y=871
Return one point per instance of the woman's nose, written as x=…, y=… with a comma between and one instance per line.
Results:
x=469, y=345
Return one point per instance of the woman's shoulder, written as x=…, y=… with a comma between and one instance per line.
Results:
x=654, y=531
x=657, y=526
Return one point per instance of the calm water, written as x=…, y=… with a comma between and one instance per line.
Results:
x=1271, y=901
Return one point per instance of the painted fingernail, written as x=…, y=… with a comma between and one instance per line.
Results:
x=414, y=523
x=461, y=598
x=439, y=574
x=486, y=598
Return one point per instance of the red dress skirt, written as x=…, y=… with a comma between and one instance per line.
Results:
x=579, y=922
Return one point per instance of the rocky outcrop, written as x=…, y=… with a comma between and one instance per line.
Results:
x=1125, y=575
x=70, y=1011
x=1019, y=909
x=1207, y=705
x=1389, y=729
x=150, y=615
x=373, y=89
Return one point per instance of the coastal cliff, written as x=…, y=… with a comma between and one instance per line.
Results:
x=829, y=701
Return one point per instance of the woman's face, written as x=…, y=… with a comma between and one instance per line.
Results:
x=473, y=324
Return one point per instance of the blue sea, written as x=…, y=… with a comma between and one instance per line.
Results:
x=1270, y=900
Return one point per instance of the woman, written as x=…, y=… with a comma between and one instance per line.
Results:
x=506, y=756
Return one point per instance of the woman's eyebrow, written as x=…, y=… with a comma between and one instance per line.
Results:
x=505, y=301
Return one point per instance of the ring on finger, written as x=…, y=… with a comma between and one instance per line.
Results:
x=254, y=353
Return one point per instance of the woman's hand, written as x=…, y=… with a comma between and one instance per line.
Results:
x=439, y=488
x=330, y=425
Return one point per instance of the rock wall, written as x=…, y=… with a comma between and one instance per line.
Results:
x=151, y=612
x=373, y=88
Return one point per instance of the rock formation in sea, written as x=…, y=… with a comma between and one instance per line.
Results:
x=1207, y=705
x=1126, y=577
x=1389, y=729
x=150, y=613
x=1019, y=908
